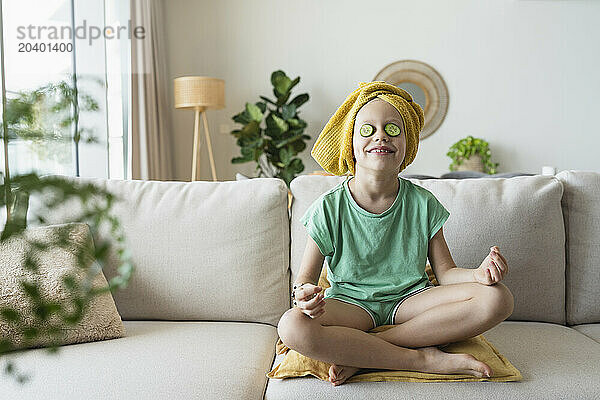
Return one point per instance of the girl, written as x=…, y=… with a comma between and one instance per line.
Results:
x=376, y=230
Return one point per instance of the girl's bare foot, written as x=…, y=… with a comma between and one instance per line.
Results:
x=436, y=361
x=440, y=362
x=339, y=373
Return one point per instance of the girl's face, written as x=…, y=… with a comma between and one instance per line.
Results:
x=378, y=124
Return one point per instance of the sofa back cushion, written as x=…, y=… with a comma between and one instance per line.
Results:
x=521, y=215
x=581, y=210
x=202, y=250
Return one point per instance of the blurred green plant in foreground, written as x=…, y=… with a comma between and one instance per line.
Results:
x=42, y=115
x=48, y=117
x=96, y=203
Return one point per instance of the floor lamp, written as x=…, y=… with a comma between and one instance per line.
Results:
x=200, y=93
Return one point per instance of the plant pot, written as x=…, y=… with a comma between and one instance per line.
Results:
x=473, y=163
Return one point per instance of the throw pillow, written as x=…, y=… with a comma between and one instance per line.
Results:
x=100, y=319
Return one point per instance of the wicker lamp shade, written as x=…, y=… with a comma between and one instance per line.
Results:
x=199, y=92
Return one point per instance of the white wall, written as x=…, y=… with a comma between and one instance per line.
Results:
x=522, y=74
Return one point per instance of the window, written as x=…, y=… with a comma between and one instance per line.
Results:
x=77, y=54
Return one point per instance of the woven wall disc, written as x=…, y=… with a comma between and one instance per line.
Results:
x=426, y=86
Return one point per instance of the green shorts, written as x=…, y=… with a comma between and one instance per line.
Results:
x=381, y=312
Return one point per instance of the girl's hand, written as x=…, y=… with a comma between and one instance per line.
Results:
x=493, y=269
x=309, y=300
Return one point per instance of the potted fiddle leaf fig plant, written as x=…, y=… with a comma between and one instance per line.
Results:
x=273, y=147
x=471, y=154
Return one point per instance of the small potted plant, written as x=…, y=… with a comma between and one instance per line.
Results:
x=471, y=154
x=275, y=147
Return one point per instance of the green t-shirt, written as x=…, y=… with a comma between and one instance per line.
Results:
x=375, y=257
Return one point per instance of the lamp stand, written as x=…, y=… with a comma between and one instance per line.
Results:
x=197, y=144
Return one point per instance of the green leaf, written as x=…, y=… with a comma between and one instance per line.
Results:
x=262, y=106
x=273, y=128
x=31, y=290
x=268, y=100
x=30, y=263
x=296, y=165
x=298, y=125
x=10, y=315
x=256, y=154
x=100, y=252
x=298, y=146
x=288, y=111
x=10, y=368
x=281, y=84
x=294, y=83
x=289, y=140
x=242, y=118
x=253, y=141
x=44, y=310
x=239, y=160
x=251, y=130
x=30, y=332
x=287, y=175
x=299, y=100
x=52, y=349
x=280, y=123
x=236, y=132
x=70, y=282
x=247, y=151
x=254, y=112
x=5, y=346
x=284, y=156
x=282, y=100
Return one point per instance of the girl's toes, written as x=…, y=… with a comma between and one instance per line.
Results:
x=338, y=374
x=483, y=370
x=334, y=372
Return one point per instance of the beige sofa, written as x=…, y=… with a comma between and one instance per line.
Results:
x=214, y=261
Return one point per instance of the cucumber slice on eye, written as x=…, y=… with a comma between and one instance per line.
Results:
x=366, y=130
x=392, y=129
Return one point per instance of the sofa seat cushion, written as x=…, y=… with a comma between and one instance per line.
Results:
x=155, y=359
x=589, y=330
x=556, y=362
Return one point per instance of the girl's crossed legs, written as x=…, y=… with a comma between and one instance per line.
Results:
x=449, y=313
x=428, y=318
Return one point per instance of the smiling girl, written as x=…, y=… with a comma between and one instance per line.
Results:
x=376, y=231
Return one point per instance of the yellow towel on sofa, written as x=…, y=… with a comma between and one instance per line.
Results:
x=296, y=365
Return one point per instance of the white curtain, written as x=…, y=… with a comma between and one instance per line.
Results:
x=151, y=139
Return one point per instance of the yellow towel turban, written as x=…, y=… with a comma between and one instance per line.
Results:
x=333, y=148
